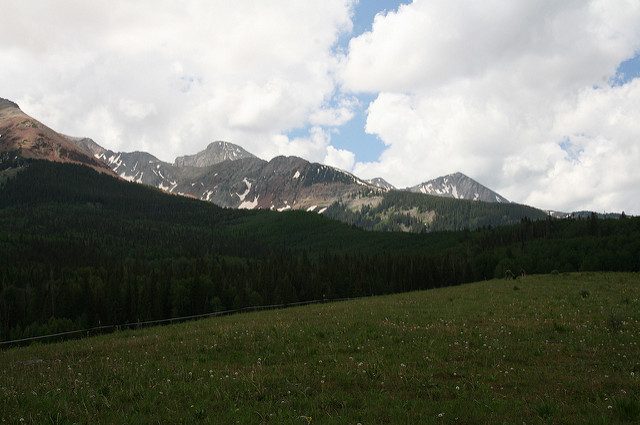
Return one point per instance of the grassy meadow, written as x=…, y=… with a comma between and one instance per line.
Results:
x=559, y=348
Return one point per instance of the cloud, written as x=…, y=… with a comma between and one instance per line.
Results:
x=599, y=167
x=136, y=110
x=514, y=94
x=339, y=158
x=170, y=77
x=313, y=147
x=316, y=147
x=335, y=116
x=433, y=42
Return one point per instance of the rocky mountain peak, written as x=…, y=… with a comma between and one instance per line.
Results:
x=381, y=183
x=459, y=186
x=214, y=153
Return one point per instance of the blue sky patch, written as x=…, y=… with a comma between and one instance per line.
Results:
x=351, y=136
x=627, y=71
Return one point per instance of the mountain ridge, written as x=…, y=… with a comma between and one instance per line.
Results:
x=24, y=136
x=245, y=182
x=458, y=186
x=229, y=176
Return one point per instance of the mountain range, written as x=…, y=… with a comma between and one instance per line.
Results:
x=229, y=176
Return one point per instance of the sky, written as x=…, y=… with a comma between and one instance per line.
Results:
x=537, y=99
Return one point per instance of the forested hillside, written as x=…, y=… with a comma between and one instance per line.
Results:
x=417, y=213
x=79, y=248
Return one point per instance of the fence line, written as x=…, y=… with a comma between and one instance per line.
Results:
x=146, y=323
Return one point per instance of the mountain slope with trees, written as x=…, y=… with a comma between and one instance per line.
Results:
x=417, y=213
x=79, y=248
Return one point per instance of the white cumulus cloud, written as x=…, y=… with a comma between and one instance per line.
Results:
x=513, y=93
x=339, y=158
x=169, y=77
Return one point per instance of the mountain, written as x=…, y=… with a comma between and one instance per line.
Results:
x=141, y=167
x=229, y=176
x=381, y=183
x=88, y=145
x=279, y=184
x=24, y=137
x=458, y=186
x=215, y=153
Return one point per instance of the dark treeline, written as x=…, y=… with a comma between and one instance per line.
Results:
x=147, y=290
x=79, y=249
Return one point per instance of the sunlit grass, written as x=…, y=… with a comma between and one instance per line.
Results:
x=479, y=353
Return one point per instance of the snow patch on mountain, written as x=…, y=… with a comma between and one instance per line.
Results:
x=246, y=192
x=249, y=205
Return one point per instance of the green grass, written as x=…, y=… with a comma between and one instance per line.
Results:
x=479, y=353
